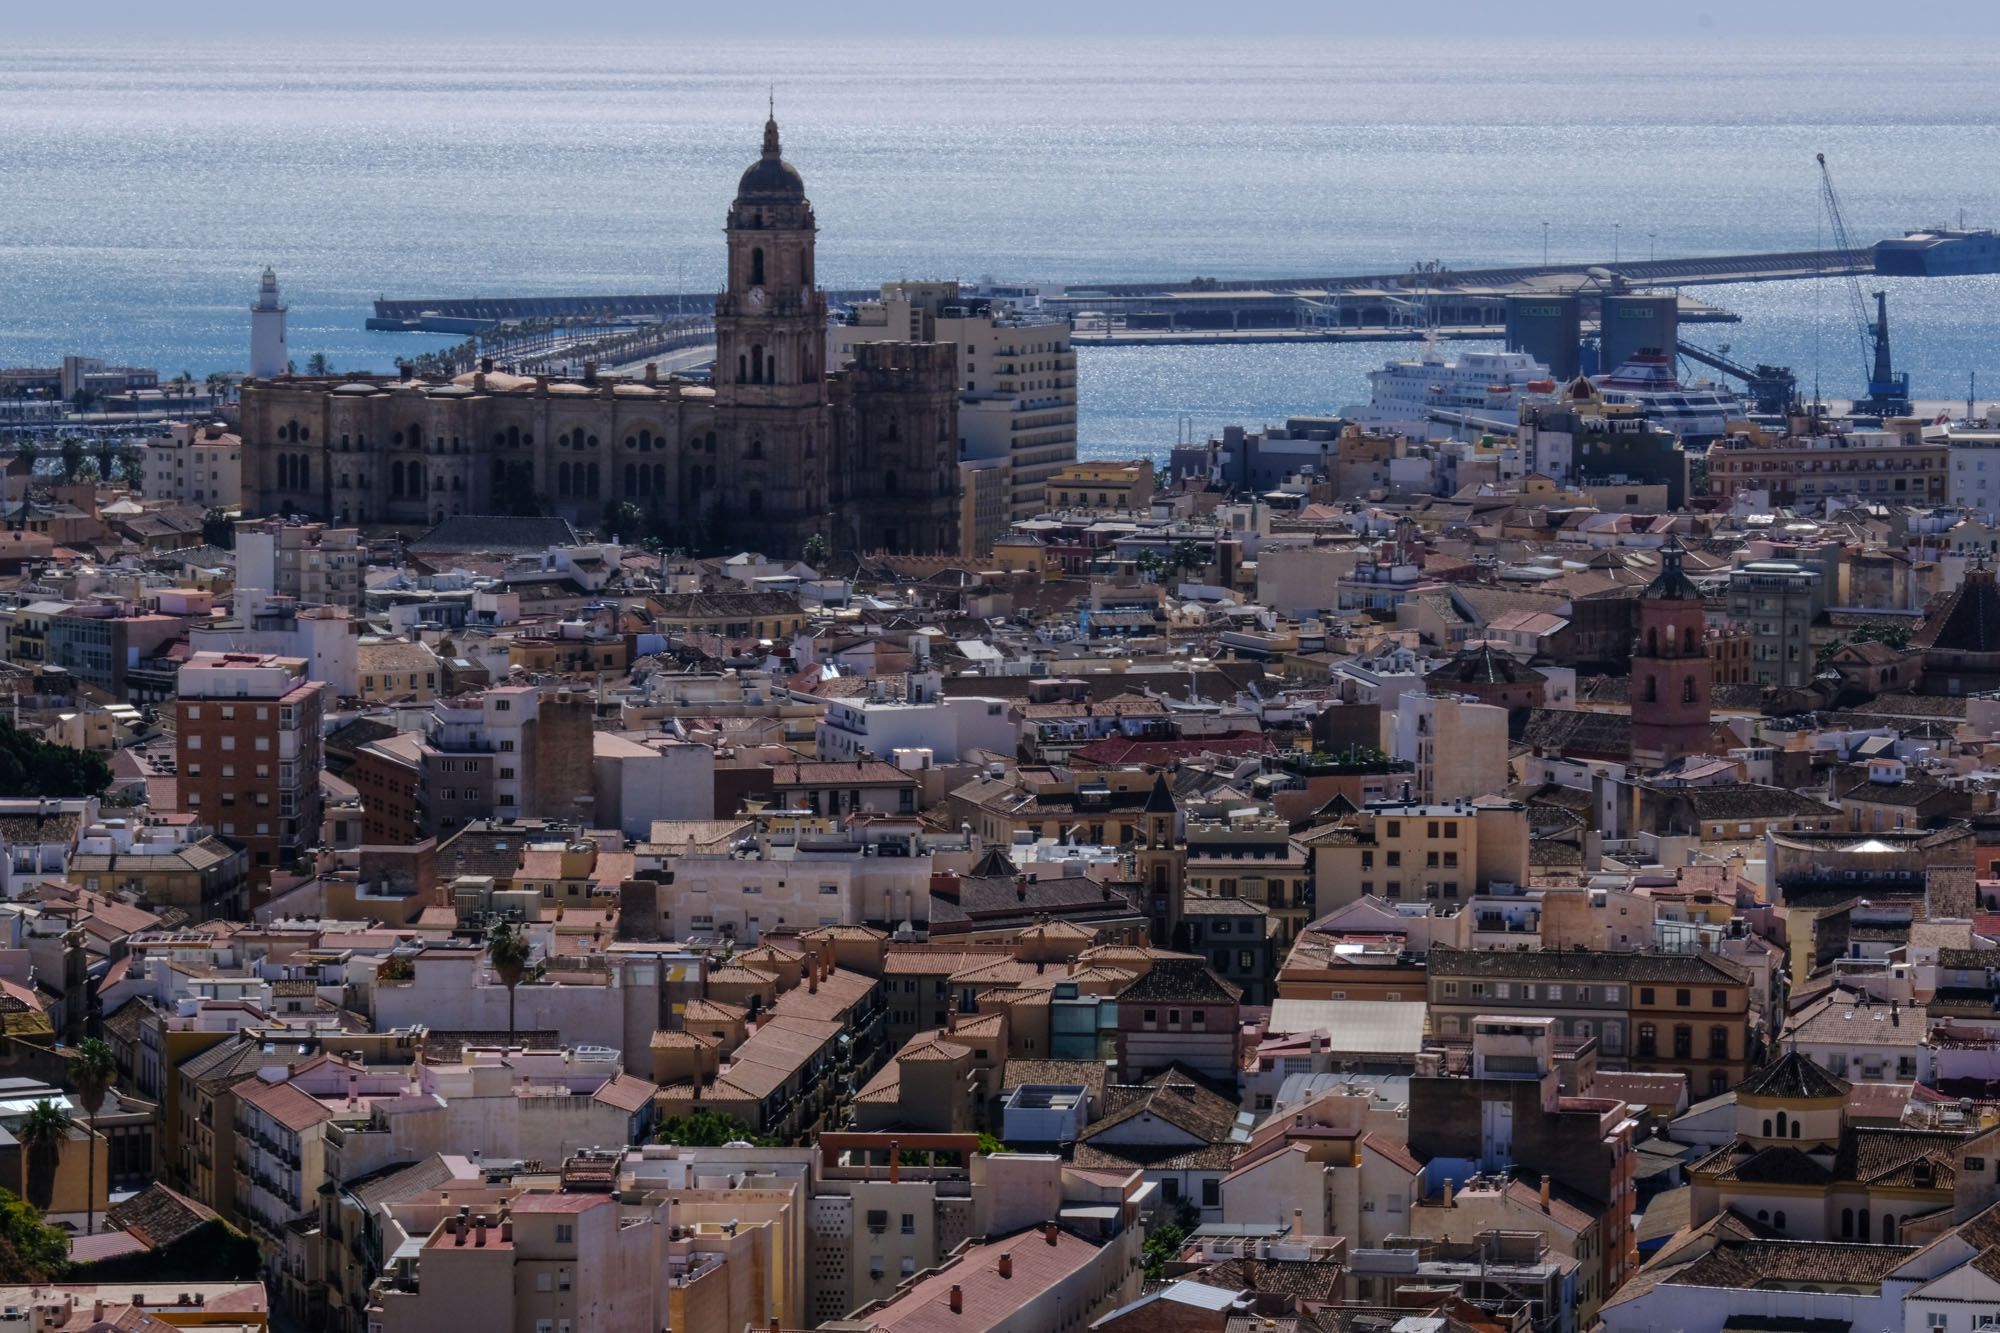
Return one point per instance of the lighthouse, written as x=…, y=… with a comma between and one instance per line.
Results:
x=269, y=357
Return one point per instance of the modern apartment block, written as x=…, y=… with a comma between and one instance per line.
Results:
x=514, y=751
x=249, y=752
x=195, y=465
x=1016, y=371
x=307, y=562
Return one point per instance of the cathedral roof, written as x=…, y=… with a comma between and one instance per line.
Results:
x=771, y=178
x=1970, y=621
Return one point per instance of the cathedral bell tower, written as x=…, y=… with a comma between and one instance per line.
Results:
x=1671, y=672
x=770, y=382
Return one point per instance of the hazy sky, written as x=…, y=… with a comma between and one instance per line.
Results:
x=1944, y=22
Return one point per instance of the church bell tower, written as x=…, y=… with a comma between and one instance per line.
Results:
x=1671, y=673
x=770, y=384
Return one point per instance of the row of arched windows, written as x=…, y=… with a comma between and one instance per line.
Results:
x=406, y=480
x=579, y=479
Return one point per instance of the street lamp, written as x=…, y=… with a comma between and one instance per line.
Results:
x=1545, y=245
x=1649, y=246
x=1614, y=240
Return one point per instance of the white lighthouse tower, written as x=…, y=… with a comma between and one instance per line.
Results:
x=268, y=354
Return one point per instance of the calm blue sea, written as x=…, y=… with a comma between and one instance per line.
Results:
x=142, y=187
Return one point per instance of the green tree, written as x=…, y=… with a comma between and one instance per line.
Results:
x=507, y=950
x=217, y=528
x=988, y=1145
x=73, y=453
x=93, y=1071
x=31, y=766
x=317, y=364
x=815, y=550
x=709, y=1129
x=106, y=450
x=1187, y=556
x=42, y=1134
x=217, y=385
x=132, y=468
x=83, y=400
x=30, y=456
x=1163, y=1242
x=624, y=520
x=1150, y=564
x=30, y=1249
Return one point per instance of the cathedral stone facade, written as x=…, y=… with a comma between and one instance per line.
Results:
x=773, y=451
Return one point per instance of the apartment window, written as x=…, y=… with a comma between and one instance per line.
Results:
x=1555, y=992
x=506, y=747
x=194, y=742
x=1718, y=999
x=1211, y=1193
x=1395, y=858
x=1646, y=995
x=1683, y=1041
x=1649, y=1040
x=909, y=1224
x=1432, y=830
x=1718, y=1043
x=1395, y=828
x=228, y=713
x=191, y=711
x=506, y=772
x=562, y=1279
x=565, y=1231
x=228, y=742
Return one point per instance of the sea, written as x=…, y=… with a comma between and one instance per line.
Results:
x=145, y=184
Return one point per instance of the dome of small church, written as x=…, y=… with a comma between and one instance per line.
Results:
x=770, y=177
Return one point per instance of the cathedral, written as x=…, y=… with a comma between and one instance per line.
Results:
x=772, y=452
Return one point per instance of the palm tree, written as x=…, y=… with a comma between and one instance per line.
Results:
x=29, y=455
x=72, y=453
x=93, y=1072
x=41, y=1135
x=1187, y=555
x=507, y=951
x=217, y=384
x=107, y=455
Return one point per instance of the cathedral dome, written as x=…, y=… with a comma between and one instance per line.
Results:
x=770, y=177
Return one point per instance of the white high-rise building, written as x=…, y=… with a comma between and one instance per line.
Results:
x=269, y=355
x=1016, y=370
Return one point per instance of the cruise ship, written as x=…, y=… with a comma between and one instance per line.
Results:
x=1409, y=396
x=1697, y=412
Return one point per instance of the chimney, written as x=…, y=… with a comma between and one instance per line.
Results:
x=812, y=981
x=957, y=1299
x=97, y=1312
x=1545, y=1192
x=507, y=1229
x=1298, y=1224
x=775, y=1325
x=653, y=379
x=895, y=1162
x=590, y=372
x=479, y=1232
x=1006, y=1265
x=1049, y=1232
x=457, y=1230
x=1448, y=1192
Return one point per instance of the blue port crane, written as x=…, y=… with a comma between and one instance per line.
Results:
x=1888, y=392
